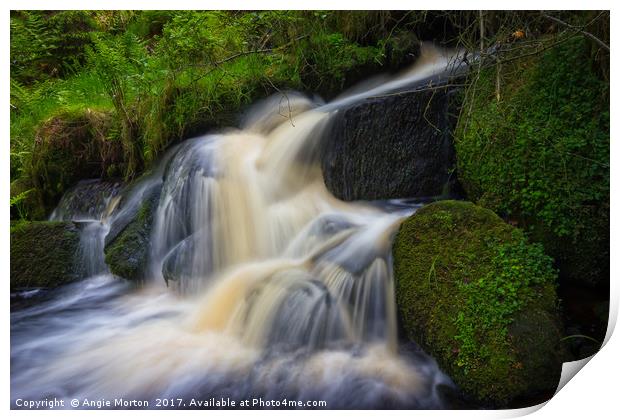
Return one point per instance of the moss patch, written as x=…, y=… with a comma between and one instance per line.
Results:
x=43, y=254
x=479, y=298
x=127, y=255
x=71, y=146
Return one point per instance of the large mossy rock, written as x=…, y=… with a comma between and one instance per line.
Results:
x=394, y=146
x=127, y=252
x=481, y=300
x=540, y=155
x=43, y=254
x=71, y=146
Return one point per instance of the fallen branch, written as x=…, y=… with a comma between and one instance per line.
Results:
x=216, y=64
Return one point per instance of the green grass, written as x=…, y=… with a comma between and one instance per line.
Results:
x=165, y=76
x=31, y=106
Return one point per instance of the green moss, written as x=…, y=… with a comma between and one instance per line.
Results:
x=43, y=254
x=328, y=72
x=71, y=146
x=467, y=285
x=540, y=155
x=127, y=255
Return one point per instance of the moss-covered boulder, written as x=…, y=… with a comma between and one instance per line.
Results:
x=43, y=254
x=71, y=146
x=540, y=155
x=481, y=300
x=127, y=254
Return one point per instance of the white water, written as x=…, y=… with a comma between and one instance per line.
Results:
x=261, y=285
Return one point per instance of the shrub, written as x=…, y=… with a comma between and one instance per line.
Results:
x=540, y=155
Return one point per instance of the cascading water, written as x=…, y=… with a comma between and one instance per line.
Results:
x=92, y=218
x=279, y=290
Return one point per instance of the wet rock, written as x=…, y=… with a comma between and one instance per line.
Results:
x=43, y=254
x=394, y=146
x=127, y=254
x=89, y=199
x=189, y=259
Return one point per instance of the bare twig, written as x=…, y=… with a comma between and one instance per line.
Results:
x=261, y=51
x=396, y=25
x=241, y=54
x=498, y=73
x=481, y=21
x=428, y=105
x=421, y=89
x=214, y=65
x=535, y=52
x=578, y=29
x=288, y=102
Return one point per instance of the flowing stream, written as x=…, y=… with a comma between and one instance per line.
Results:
x=260, y=285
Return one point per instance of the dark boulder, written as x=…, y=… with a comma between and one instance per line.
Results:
x=395, y=146
x=88, y=199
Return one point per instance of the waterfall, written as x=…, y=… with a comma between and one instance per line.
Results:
x=89, y=204
x=261, y=283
